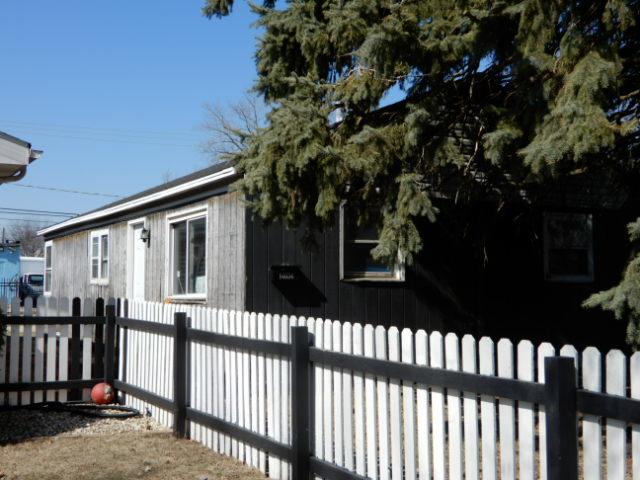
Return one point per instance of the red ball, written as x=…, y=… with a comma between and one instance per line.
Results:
x=103, y=394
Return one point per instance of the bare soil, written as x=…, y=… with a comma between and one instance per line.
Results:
x=121, y=456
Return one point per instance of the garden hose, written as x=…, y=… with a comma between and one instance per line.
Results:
x=80, y=407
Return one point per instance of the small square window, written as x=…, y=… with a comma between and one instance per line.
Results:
x=99, y=256
x=356, y=261
x=568, y=247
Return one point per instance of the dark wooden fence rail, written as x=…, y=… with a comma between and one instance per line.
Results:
x=559, y=394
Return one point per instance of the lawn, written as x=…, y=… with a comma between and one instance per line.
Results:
x=64, y=447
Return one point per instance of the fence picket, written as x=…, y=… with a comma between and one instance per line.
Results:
x=63, y=347
x=360, y=449
x=26, y=350
x=270, y=389
x=487, y=412
x=452, y=362
x=327, y=407
x=275, y=464
x=262, y=458
x=253, y=332
x=246, y=386
x=3, y=350
x=470, y=405
x=544, y=350
x=87, y=332
x=347, y=399
x=382, y=402
x=616, y=384
x=14, y=354
x=395, y=408
x=506, y=414
x=422, y=410
x=338, y=440
x=526, y=414
x=438, y=410
x=52, y=310
x=634, y=367
x=408, y=409
x=591, y=429
x=370, y=407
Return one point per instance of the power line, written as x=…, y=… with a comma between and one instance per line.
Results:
x=118, y=131
x=28, y=220
x=53, y=189
x=112, y=140
x=27, y=211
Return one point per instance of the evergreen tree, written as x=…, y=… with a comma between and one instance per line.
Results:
x=500, y=96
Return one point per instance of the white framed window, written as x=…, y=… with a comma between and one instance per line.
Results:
x=48, y=266
x=356, y=261
x=568, y=247
x=188, y=254
x=99, y=256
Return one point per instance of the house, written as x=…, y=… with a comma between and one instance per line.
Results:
x=15, y=156
x=192, y=240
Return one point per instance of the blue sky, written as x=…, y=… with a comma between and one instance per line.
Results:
x=113, y=91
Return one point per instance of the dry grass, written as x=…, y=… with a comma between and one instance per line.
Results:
x=148, y=456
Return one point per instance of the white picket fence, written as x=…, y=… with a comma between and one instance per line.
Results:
x=379, y=427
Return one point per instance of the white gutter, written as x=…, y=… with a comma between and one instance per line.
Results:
x=139, y=202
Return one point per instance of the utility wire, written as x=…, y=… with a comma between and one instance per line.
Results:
x=111, y=140
x=28, y=220
x=53, y=189
x=118, y=131
x=27, y=211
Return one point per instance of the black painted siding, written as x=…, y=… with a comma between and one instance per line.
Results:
x=404, y=304
x=447, y=288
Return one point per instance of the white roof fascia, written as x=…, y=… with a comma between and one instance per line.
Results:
x=139, y=202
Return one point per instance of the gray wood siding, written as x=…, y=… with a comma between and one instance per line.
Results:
x=225, y=257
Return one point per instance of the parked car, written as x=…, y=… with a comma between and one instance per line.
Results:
x=31, y=285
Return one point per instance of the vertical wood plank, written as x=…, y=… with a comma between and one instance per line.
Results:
x=233, y=380
x=360, y=449
x=422, y=410
x=506, y=414
x=487, y=413
x=370, y=407
x=395, y=408
x=338, y=440
x=452, y=362
x=469, y=365
x=346, y=404
x=591, y=429
x=14, y=354
x=526, y=414
x=544, y=350
x=327, y=408
x=52, y=340
x=262, y=458
x=616, y=384
x=253, y=332
x=271, y=387
x=382, y=401
x=27, y=363
x=408, y=409
x=246, y=382
x=438, y=410
x=3, y=351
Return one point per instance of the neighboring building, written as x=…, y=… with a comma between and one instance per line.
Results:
x=15, y=156
x=192, y=240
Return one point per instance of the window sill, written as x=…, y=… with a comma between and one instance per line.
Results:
x=372, y=279
x=188, y=299
x=102, y=283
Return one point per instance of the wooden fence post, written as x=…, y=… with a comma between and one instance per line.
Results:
x=180, y=365
x=110, y=345
x=561, y=418
x=301, y=398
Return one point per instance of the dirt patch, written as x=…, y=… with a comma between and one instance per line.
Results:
x=133, y=455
